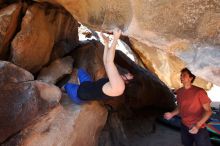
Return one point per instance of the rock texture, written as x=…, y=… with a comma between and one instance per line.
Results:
x=42, y=27
x=56, y=70
x=165, y=34
x=165, y=65
x=12, y=73
x=67, y=124
x=22, y=100
x=183, y=28
x=9, y=17
x=89, y=56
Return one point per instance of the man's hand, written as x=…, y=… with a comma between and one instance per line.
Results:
x=194, y=130
x=168, y=115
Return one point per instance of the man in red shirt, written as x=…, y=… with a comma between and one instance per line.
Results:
x=193, y=106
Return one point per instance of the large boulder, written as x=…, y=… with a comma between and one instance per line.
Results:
x=42, y=27
x=186, y=29
x=166, y=65
x=9, y=17
x=56, y=70
x=22, y=100
x=67, y=124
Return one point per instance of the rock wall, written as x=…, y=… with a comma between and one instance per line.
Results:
x=186, y=29
x=38, y=37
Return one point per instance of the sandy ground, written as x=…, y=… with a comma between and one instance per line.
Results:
x=163, y=136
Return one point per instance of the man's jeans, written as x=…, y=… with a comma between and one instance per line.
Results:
x=200, y=139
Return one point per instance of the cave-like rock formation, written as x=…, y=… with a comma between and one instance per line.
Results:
x=186, y=29
x=42, y=38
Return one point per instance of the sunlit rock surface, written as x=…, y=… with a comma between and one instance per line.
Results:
x=163, y=24
x=22, y=100
x=8, y=24
x=56, y=70
x=66, y=125
x=164, y=64
x=203, y=60
x=42, y=27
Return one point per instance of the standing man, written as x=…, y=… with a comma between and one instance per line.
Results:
x=193, y=106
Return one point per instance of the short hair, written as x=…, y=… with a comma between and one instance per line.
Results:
x=190, y=74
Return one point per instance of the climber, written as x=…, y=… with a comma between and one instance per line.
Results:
x=112, y=86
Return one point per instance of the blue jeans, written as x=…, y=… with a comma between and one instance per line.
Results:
x=200, y=139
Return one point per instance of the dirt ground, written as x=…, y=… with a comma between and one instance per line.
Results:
x=163, y=136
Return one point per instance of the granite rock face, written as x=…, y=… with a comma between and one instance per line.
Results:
x=166, y=35
x=42, y=27
x=9, y=17
x=56, y=70
x=186, y=29
x=22, y=99
x=67, y=124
